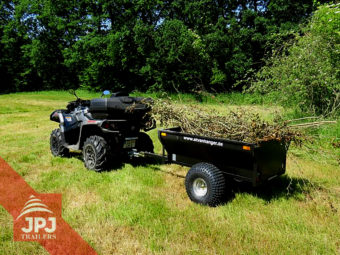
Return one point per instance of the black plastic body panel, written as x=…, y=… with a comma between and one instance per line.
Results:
x=256, y=163
x=124, y=107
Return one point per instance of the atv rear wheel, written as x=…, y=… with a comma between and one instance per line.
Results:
x=96, y=153
x=56, y=146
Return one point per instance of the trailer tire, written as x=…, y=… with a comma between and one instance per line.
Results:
x=205, y=184
x=144, y=143
x=96, y=153
x=56, y=146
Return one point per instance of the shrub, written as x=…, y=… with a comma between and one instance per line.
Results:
x=307, y=73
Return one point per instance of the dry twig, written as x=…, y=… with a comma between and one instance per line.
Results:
x=240, y=125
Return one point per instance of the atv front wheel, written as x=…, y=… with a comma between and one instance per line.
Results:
x=96, y=153
x=56, y=146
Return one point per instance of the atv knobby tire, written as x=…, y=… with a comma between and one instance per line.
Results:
x=57, y=149
x=96, y=153
x=205, y=184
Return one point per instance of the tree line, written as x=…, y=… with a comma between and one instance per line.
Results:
x=163, y=45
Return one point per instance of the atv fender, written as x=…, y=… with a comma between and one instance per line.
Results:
x=57, y=116
x=90, y=129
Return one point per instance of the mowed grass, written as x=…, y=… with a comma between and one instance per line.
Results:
x=145, y=209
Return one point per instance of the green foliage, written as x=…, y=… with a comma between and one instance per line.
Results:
x=307, y=73
x=177, y=59
x=141, y=44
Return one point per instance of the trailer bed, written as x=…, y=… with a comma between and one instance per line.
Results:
x=250, y=162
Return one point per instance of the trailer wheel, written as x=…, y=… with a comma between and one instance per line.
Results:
x=144, y=143
x=57, y=149
x=96, y=153
x=205, y=184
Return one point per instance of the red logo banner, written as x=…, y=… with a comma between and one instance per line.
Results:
x=37, y=217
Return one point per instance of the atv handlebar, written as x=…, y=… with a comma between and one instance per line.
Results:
x=79, y=102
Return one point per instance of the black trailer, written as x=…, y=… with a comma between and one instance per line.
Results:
x=213, y=161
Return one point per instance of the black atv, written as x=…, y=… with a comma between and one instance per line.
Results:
x=105, y=129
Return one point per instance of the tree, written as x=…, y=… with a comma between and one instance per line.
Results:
x=14, y=66
x=142, y=44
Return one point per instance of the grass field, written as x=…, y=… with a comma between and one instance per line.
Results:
x=145, y=209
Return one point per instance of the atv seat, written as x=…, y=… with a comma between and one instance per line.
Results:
x=120, y=107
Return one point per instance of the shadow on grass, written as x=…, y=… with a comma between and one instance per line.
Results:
x=116, y=164
x=284, y=187
x=113, y=165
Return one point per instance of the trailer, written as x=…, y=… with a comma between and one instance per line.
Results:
x=214, y=161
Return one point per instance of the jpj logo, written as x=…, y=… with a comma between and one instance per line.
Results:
x=38, y=218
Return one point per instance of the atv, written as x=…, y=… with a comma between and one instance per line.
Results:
x=104, y=129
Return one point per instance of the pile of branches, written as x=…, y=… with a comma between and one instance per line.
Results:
x=236, y=125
